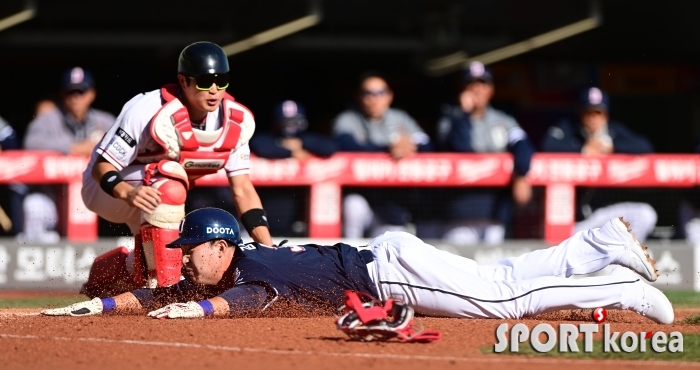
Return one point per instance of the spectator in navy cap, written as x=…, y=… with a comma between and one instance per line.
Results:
x=72, y=127
x=474, y=126
x=289, y=137
x=597, y=135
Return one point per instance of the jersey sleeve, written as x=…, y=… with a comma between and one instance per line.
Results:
x=238, y=162
x=120, y=144
x=412, y=128
x=515, y=132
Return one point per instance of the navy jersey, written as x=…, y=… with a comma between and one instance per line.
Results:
x=312, y=276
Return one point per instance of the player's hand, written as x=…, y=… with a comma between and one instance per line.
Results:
x=596, y=147
x=86, y=308
x=403, y=147
x=466, y=101
x=144, y=198
x=296, y=146
x=292, y=144
x=522, y=190
x=189, y=310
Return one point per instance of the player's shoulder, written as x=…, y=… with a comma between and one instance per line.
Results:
x=232, y=103
x=102, y=116
x=150, y=98
x=145, y=104
x=397, y=113
x=50, y=118
x=496, y=115
x=348, y=117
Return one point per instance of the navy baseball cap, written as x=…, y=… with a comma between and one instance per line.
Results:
x=594, y=98
x=207, y=224
x=477, y=71
x=290, y=118
x=77, y=79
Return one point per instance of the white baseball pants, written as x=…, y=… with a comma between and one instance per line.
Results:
x=439, y=283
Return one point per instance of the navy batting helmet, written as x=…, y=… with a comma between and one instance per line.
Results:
x=290, y=118
x=207, y=224
x=202, y=58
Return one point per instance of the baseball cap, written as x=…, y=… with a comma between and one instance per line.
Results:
x=594, y=98
x=477, y=71
x=290, y=118
x=77, y=79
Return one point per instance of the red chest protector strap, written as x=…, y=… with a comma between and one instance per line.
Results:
x=181, y=122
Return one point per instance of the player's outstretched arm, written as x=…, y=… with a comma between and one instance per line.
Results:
x=214, y=307
x=123, y=303
x=239, y=300
x=250, y=207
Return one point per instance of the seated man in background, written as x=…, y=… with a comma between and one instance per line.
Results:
x=596, y=135
x=476, y=127
x=289, y=138
x=376, y=127
x=73, y=128
x=11, y=203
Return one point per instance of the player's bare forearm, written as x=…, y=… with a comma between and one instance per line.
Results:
x=127, y=303
x=246, y=198
x=143, y=197
x=100, y=168
x=221, y=307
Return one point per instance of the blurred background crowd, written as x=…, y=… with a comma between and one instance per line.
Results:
x=366, y=77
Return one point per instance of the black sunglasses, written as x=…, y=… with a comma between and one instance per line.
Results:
x=204, y=82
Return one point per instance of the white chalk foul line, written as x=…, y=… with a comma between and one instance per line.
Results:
x=4, y=315
x=486, y=359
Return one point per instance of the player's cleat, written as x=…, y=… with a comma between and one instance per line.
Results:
x=655, y=305
x=636, y=256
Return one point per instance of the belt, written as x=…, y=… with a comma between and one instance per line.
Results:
x=366, y=256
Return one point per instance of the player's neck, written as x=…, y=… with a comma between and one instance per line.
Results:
x=478, y=112
x=225, y=265
x=196, y=115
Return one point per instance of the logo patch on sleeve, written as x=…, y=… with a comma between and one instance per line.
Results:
x=124, y=136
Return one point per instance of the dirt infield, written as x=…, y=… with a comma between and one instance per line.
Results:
x=31, y=341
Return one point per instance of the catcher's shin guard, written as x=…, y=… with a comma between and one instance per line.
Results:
x=164, y=264
x=108, y=275
x=162, y=226
x=140, y=272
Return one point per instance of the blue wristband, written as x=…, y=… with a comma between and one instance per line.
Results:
x=207, y=307
x=108, y=305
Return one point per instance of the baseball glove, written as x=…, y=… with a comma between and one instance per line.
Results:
x=373, y=321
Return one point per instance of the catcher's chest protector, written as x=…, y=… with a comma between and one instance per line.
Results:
x=199, y=152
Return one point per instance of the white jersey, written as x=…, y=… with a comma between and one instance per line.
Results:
x=130, y=136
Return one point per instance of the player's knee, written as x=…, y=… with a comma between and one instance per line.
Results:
x=173, y=192
x=173, y=185
x=356, y=206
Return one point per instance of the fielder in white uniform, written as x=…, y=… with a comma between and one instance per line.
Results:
x=162, y=141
